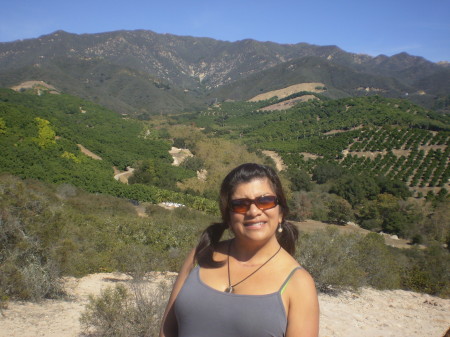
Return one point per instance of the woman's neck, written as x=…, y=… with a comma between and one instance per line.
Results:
x=253, y=254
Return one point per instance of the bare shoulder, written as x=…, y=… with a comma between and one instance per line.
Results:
x=302, y=281
x=299, y=278
x=303, y=305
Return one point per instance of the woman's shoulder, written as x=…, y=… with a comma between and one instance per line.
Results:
x=298, y=276
x=300, y=282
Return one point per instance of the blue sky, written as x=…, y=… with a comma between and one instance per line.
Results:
x=420, y=28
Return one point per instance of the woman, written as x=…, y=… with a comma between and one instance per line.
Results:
x=249, y=285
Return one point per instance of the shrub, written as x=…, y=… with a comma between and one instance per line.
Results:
x=300, y=206
x=379, y=262
x=428, y=270
x=126, y=312
x=330, y=258
x=300, y=180
x=339, y=261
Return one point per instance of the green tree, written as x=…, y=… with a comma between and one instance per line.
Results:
x=340, y=211
x=368, y=216
x=2, y=126
x=355, y=189
x=327, y=171
x=46, y=135
x=300, y=180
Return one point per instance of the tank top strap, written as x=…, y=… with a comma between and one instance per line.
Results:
x=285, y=283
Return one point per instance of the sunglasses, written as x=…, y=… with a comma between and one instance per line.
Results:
x=264, y=202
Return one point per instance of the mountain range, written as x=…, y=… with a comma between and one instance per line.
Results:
x=143, y=73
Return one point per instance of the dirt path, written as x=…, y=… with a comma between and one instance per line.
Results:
x=123, y=176
x=276, y=158
x=89, y=153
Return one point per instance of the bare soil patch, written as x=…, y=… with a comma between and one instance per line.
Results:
x=35, y=85
x=332, y=132
x=179, y=155
x=285, y=92
x=123, y=176
x=308, y=155
x=60, y=318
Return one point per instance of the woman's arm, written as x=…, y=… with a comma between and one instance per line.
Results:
x=169, y=327
x=303, y=314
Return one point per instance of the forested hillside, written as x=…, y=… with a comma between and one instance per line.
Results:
x=39, y=137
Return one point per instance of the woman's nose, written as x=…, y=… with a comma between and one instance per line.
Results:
x=253, y=210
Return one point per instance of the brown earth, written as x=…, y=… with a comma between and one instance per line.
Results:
x=35, y=85
x=179, y=155
x=285, y=92
x=123, y=176
x=367, y=313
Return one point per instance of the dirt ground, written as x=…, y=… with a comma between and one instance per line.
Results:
x=368, y=313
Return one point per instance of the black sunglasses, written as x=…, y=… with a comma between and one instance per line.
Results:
x=264, y=202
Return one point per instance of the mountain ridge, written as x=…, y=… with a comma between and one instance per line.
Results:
x=188, y=71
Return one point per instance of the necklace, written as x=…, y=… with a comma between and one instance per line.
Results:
x=230, y=287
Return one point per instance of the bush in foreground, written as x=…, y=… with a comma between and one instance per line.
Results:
x=133, y=311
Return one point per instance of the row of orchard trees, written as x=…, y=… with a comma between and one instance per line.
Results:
x=417, y=169
x=422, y=159
x=389, y=138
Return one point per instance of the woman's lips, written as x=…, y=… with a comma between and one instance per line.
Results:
x=254, y=224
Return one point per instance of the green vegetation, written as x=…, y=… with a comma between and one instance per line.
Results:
x=48, y=231
x=40, y=136
x=369, y=156
x=352, y=159
x=341, y=261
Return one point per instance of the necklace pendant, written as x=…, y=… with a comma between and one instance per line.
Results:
x=229, y=289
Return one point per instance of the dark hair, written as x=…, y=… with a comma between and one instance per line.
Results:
x=243, y=174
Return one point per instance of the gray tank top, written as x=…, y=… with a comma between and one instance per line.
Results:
x=202, y=311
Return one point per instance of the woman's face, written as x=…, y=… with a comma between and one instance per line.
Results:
x=255, y=224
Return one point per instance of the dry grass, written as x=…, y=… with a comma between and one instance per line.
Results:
x=285, y=92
